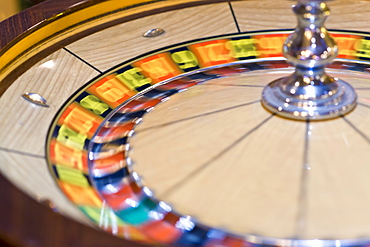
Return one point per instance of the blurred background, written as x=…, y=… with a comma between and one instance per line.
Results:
x=11, y=7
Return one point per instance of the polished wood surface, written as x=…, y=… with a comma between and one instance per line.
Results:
x=121, y=42
x=220, y=157
x=60, y=74
x=18, y=227
x=211, y=176
x=20, y=23
x=266, y=15
x=125, y=41
x=65, y=23
x=25, y=222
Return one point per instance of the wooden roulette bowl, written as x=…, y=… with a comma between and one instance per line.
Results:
x=63, y=50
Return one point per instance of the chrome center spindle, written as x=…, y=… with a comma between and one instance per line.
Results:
x=309, y=93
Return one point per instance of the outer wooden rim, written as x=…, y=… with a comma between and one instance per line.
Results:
x=36, y=36
x=23, y=221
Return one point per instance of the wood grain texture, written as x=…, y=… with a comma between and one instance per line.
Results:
x=265, y=15
x=25, y=222
x=338, y=192
x=23, y=125
x=20, y=23
x=27, y=19
x=23, y=54
x=287, y=179
x=55, y=78
x=31, y=175
x=328, y=185
x=120, y=43
x=338, y=195
x=52, y=229
x=220, y=160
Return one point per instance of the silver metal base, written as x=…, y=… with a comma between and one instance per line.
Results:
x=309, y=93
x=334, y=104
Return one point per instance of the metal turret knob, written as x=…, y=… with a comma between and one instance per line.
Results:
x=309, y=93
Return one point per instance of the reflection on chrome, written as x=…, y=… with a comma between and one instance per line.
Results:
x=35, y=99
x=185, y=223
x=312, y=94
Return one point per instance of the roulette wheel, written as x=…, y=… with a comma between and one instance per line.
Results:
x=144, y=118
